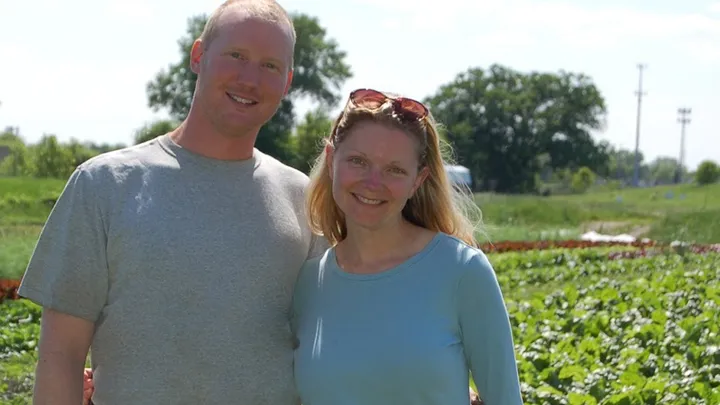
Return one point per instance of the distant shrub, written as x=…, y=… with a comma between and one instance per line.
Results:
x=707, y=173
x=582, y=180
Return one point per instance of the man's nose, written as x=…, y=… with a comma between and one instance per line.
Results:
x=249, y=75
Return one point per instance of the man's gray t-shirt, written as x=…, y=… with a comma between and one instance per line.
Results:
x=186, y=265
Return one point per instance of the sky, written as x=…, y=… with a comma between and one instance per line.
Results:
x=78, y=68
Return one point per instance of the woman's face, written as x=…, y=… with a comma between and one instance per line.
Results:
x=374, y=171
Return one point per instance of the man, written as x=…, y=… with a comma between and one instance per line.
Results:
x=174, y=261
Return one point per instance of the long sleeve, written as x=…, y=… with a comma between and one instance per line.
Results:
x=487, y=334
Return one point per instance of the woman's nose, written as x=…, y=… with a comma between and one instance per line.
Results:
x=373, y=179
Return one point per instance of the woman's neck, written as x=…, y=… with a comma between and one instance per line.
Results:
x=373, y=251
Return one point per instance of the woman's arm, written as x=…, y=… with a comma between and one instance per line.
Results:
x=487, y=335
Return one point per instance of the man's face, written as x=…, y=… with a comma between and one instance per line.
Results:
x=243, y=73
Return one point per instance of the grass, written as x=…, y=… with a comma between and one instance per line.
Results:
x=18, y=242
x=27, y=201
x=660, y=212
x=702, y=226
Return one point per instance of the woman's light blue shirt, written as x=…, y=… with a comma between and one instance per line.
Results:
x=406, y=335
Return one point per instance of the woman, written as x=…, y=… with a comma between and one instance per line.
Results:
x=403, y=305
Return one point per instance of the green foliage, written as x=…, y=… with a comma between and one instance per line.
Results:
x=506, y=125
x=53, y=160
x=307, y=141
x=19, y=162
x=154, y=129
x=583, y=179
x=19, y=335
x=643, y=337
x=10, y=136
x=26, y=201
x=49, y=158
x=320, y=71
x=18, y=242
x=694, y=226
x=18, y=343
x=707, y=173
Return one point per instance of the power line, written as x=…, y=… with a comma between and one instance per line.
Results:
x=683, y=120
x=640, y=94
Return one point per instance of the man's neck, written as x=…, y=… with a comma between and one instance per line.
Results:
x=206, y=141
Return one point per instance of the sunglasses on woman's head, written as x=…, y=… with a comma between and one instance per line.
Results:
x=409, y=108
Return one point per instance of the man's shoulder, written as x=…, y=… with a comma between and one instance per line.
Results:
x=283, y=172
x=314, y=266
x=116, y=162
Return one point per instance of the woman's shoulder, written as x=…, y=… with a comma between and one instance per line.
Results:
x=460, y=252
x=463, y=260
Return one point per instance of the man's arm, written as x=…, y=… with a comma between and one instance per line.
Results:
x=63, y=348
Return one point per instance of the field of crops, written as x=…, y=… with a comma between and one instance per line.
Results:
x=594, y=324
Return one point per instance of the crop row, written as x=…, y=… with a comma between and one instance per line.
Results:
x=639, y=331
x=649, y=339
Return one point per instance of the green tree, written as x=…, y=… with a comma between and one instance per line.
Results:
x=707, y=173
x=18, y=162
x=621, y=164
x=152, y=130
x=79, y=152
x=505, y=126
x=320, y=71
x=582, y=180
x=52, y=159
x=103, y=147
x=307, y=141
x=665, y=170
x=10, y=136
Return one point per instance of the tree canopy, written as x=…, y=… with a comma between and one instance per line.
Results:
x=506, y=125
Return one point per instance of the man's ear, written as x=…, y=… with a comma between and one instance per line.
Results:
x=196, y=53
x=289, y=81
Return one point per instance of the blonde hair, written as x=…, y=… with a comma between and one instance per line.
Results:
x=436, y=205
x=268, y=10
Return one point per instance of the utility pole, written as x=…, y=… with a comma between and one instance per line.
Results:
x=640, y=94
x=683, y=120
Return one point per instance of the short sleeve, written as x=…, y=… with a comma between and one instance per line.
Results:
x=487, y=334
x=68, y=270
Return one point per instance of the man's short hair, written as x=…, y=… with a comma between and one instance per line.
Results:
x=268, y=10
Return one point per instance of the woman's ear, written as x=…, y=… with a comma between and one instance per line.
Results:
x=422, y=176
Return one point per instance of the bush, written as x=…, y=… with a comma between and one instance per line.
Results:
x=582, y=180
x=707, y=173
